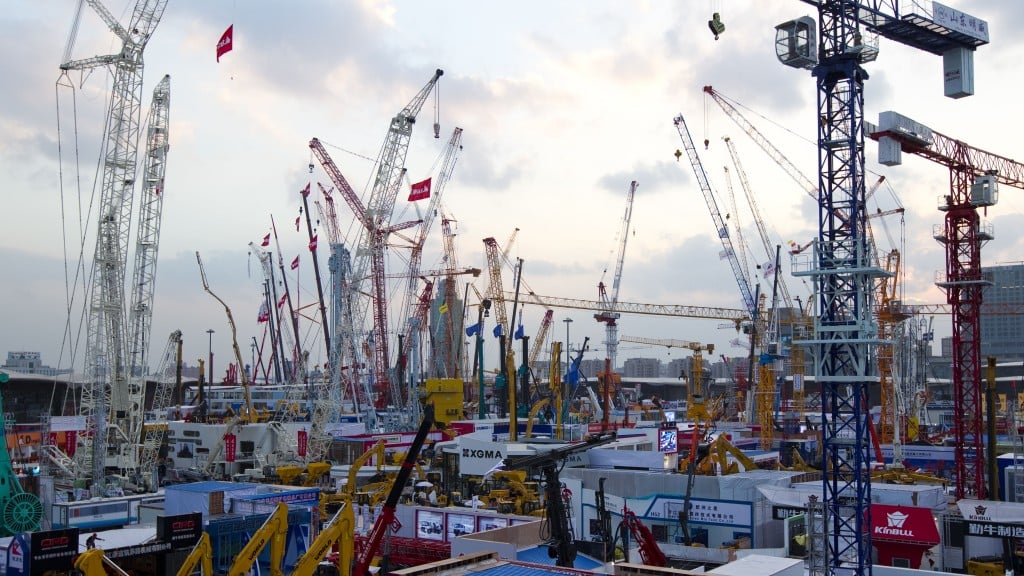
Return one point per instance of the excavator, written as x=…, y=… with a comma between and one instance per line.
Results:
x=340, y=530
x=274, y=532
x=314, y=471
x=717, y=460
x=200, y=556
x=348, y=491
x=93, y=562
x=561, y=540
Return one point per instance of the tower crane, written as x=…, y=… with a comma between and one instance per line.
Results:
x=844, y=331
x=974, y=177
x=376, y=221
x=108, y=389
x=737, y=316
x=453, y=363
x=696, y=409
x=609, y=316
x=418, y=243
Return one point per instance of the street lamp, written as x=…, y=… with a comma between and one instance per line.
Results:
x=210, y=332
x=567, y=352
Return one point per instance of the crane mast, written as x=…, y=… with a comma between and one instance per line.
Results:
x=609, y=315
x=974, y=176
x=452, y=365
x=106, y=370
x=843, y=274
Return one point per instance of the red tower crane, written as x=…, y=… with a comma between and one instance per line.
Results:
x=973, y=178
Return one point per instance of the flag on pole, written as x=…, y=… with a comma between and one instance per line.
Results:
x=305, y=191
x=266, y=240
x=297, y=223
x=519, y=332
x=312, y=244
x=284, y=298
x=224, y=45
x=419, y=190
x=769, y=268
x=264, y=313
x=443, y=308
x=497, y=331
x=499, y=467
x=295, y=263
x=473, y=330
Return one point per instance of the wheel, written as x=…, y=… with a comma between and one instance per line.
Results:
x=22, y=513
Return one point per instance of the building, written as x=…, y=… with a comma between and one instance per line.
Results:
x=30, y=363
x=1002, y=335
x=642, y=368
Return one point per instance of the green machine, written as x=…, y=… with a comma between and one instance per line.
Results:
x=19, y=511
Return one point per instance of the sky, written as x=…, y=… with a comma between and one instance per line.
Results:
x=562, y=105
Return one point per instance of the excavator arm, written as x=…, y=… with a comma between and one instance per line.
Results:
x=201, y=554
x=273, y=532
x=93, y=562
x=339, y=530
x=650, y=552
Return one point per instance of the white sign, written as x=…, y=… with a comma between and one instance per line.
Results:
x=991, y=511
x=717, y=512
x=67, y=423
x=16, y=555
x=477, y=457
x=960, y=21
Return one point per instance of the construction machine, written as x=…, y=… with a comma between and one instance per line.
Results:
x=560, y=538
x=20, y=511
x=274, y=532
x=313, y=471
x=93, y=562
x=650, y=553
x=386, y=520
x=717, y=460
x=200, y=556
x=340, y=530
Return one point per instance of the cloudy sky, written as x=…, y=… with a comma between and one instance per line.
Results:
x=562, y=105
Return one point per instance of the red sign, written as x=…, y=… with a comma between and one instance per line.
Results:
x=303, y=437
x=70, y=442
x=903, y=524
x=229, y=447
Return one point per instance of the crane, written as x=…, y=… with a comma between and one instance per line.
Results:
x=716, y=216
x=375, y=218
x=650, y=552
x=108, y=389
x=154, y=432
x=560, y=539
x=609, y=316
x=844, y=329
x=737, y=316
x=695, y=405
x=418, y=243
x=974, y=177
x=20, y=511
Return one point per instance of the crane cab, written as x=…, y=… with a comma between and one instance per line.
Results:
x=796, y=43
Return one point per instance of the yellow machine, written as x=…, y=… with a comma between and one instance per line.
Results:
x=718, y=456
x=534, y=411
x=314, y=471
x=340, y=530
x=274, y=532
x=348, y=491
x=518, y=497
x=446, y=396
x=201, y=554
x=93, y=562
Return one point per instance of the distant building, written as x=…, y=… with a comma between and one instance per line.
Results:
x=30, y=363
x=1002, y=335
x=642, y=368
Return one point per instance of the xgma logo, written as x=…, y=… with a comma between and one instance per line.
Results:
x=481, y=453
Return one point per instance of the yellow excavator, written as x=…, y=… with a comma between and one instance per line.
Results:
x=348, y=492
x=93, y=562
x=718, y=456
x=274, y=532
x=518, y=497
x=314, y=472
x=201, y=555
x=340, y=530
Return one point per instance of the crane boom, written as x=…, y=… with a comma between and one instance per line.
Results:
x=609, y=315
x=107, y=370
x=716, y=216
x=681, y=310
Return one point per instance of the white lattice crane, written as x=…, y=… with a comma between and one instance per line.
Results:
x=107, y=389
x=608, y=315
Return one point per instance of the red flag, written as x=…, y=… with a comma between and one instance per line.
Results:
x=266, y=240
x=297, y=223
x=224, y=44
x=305, y=191
x=295, y=263
x=264, y=313
x=312, y=243
x=284, y=298
x=419, y=190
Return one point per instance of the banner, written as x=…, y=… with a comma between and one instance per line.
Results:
x=303, y=438
x=229, y=447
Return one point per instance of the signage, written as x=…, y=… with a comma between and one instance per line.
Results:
x=990, y=530
x=702, y=511
x=668, y=440
x=903, y=524
x=990, y=511
x=230, y=441
x=16, y=556
x=181, y=530
x=141, y=549
x=783, y=512
x=961, y=22
x=478, y=457
x=53, y=550
x=303, y=439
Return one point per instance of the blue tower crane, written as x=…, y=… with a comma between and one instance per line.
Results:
x=844, y=331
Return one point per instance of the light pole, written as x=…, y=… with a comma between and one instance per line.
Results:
x=567, y=351
x=210, y=332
